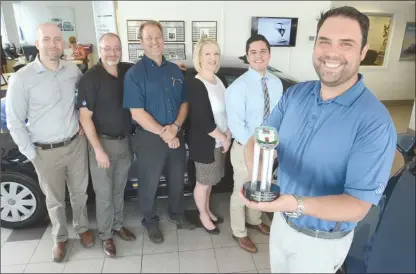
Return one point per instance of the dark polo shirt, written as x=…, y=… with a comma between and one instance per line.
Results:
x=102, y=93
x=159, y=90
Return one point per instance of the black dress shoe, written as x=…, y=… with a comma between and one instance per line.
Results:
x=219, y=220
x=155, y=235
x=214, y=231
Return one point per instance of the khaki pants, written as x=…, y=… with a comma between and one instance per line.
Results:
x=109, y=184
x=238, y=211
x=295, y=252
x=53, y=167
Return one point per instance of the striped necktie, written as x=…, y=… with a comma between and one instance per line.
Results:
x=266, y=98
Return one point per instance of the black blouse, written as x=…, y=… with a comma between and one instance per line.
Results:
x=200, y=121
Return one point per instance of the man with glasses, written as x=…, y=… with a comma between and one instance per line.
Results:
x=154, y=91
x=249, y=101
x=108, y=127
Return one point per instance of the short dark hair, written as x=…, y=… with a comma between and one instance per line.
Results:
x=351, y=13
x=255, y=38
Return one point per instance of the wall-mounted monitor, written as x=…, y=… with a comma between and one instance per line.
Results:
x=279, y=31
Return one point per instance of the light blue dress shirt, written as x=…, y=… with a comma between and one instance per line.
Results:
x=244, y=102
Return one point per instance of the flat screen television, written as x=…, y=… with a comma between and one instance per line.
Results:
x=279, y=31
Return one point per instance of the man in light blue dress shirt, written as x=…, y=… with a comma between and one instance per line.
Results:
x=249, y=100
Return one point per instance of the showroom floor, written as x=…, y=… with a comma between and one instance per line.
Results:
x=29, y=250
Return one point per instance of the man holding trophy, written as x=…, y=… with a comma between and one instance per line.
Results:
x=336, y=144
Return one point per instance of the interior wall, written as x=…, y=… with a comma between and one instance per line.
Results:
x=234, y=24
x=36, y=12
x=396, y=79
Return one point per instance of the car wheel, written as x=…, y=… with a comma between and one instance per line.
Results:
x=22, y=201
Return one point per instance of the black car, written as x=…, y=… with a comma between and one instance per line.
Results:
x=22, y=201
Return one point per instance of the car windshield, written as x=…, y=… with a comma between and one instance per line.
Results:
x=281, y=75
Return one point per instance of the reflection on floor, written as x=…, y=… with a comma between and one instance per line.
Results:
x=29, y=250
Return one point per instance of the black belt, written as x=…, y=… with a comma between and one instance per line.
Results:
x=316, y=233
x=108, y=137
x=56, y=145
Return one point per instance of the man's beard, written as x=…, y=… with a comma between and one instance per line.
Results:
x=112, y=63
x=53, y=57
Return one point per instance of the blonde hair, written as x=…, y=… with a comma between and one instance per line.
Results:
x=197, y=52
x=72, y=40
x=147, y=23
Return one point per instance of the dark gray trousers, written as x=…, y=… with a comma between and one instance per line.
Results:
x=153, y=157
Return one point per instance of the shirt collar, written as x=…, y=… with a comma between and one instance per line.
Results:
x=147, y=59
x=348, y=97
x=256, y=76
x=41, y=68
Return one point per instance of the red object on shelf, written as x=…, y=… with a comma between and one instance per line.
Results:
x=87, y=47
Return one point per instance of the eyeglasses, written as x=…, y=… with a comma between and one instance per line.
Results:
x=108, y=49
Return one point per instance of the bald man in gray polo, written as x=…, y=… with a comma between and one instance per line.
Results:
x=43, y=92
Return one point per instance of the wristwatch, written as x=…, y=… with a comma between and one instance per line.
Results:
x=299, y=210
x=178, y=127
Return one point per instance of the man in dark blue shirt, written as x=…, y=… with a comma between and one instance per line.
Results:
x=337, y=145
x=154, y=92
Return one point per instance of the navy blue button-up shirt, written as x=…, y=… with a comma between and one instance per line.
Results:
x=343, y=145
x=159, y=90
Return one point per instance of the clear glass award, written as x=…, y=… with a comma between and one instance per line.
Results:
x=266, y=140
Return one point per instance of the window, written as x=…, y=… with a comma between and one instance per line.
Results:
x=4, y=37
x=378, y=39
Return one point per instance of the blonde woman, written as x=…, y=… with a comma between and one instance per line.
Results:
x=208, y=135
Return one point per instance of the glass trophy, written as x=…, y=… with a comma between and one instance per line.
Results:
x=266, y=140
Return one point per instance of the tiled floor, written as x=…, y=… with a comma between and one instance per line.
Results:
x=183, y=251
x=29, y=250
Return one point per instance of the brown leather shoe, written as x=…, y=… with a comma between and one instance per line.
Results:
x=109, y=248
x=246, y=244
x=58, y=251
x=125, y=234
x=263, y=228
x=87, y=239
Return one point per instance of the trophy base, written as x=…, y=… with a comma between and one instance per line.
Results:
x=261, y=196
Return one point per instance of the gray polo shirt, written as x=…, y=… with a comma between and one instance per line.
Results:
x=46, y=99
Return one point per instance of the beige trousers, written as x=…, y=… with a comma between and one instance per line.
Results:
x=109, y=185
x=238, y=211
x=295, y=252
x=56, y=168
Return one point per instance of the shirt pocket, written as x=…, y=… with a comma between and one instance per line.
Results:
x=177, y=87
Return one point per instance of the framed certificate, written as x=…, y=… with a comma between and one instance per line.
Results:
x=136, y=52
x=133, y=27
x=173, y=31
x=174, y=52
x=204, y=29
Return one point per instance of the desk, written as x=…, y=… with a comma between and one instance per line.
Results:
x=76, y=62
x=4, y=88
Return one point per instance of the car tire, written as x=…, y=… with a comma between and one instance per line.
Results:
x=32, y=204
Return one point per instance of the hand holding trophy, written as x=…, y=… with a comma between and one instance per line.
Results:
x=266, y=140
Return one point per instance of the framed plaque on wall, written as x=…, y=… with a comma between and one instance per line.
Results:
x=136, y=52
x=133, y=27
x=173, y=31
x=174, y=52
x=204, y=29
